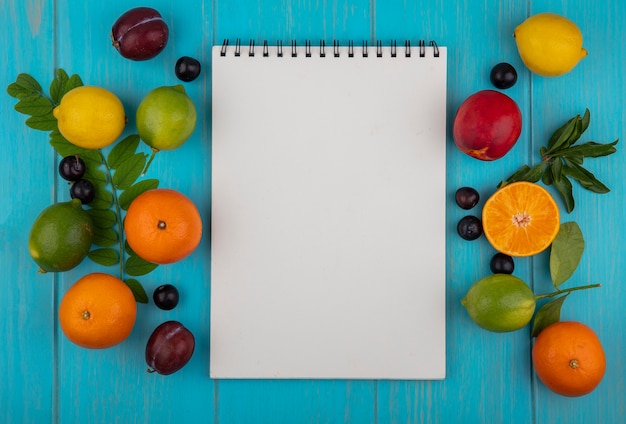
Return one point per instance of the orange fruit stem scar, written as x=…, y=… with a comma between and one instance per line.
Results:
x=163, y=226
x=569, y=359
x=98, y=311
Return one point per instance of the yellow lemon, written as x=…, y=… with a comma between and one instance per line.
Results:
x=549, y=44
x=90, y=117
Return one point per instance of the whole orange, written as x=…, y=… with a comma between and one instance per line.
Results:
x=568, y=358
x=163, y=226
x=98, y=311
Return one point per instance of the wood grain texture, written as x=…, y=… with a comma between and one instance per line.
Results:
x=597, y=84
x=489, y=376
x=28, y=326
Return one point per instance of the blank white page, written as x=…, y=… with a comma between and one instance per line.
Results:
x=328, y=214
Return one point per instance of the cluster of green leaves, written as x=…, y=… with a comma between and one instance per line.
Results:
x=562, y=160
x=114, y=176
x=565, y=254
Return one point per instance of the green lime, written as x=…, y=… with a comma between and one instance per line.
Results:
x=166, y=118
x=61, y=236
x=500, y=303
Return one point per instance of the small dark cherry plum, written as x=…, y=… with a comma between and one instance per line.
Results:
x=72, y=168
x=83, y=190
x=470, y=227
x=140, y=33
x=466, y=197
x=503, y=76
x=169, y=348
x=187, y=69
x=487, y=125
x=502, y=264
x=165, y=297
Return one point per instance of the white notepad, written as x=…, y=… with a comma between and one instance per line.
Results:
x=328, y=212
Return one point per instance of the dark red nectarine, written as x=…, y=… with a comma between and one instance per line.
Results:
x=487, y=125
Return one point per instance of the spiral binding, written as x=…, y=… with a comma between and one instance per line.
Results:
x=336, y=49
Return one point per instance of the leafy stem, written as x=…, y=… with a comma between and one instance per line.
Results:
x=118, y=213
x=152, y=155
x=562, y=160
x=565, y=254
x=560, y=292
x=123, y=165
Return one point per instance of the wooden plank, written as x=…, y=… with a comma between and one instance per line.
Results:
x=27, y=393
x=488, y=374
x=490, y=378
x=596, y=83
x=112, y=385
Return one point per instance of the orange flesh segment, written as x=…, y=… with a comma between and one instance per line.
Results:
x=521, y=219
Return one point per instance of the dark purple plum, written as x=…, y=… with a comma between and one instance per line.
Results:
x=140, y=33
x=169, y=348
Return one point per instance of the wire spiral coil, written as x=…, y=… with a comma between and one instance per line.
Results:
x=337, y=49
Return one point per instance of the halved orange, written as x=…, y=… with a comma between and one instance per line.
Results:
x=521, y=219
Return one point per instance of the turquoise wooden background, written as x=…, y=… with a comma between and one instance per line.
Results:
x=489, y=376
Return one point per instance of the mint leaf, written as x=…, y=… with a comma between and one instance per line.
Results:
x=35, y=105
x=24, y=86
x=102, y=200
x=123, y=150
x=102, y=218
x=92, y=158
x=104, y=237
x=127, y=197
x=137, y=266
x=62, y=84
x=526, y=173
x=97, y=177
x=137, y=289
x=57, y=86
x=128, y=249
x=585, y=178
x=71, y=84
x=128, y=171
x=547, y=177
x=565, y=252
x=562, y=135
x=591, y=149
x=548, y=314
x=106, y=257
x=581, y=126
x=557, y=170
x=45, y=122
x=564, y=187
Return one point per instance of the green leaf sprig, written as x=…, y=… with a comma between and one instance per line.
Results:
x=562, y=160
x=114, y=176
x=565, y=254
